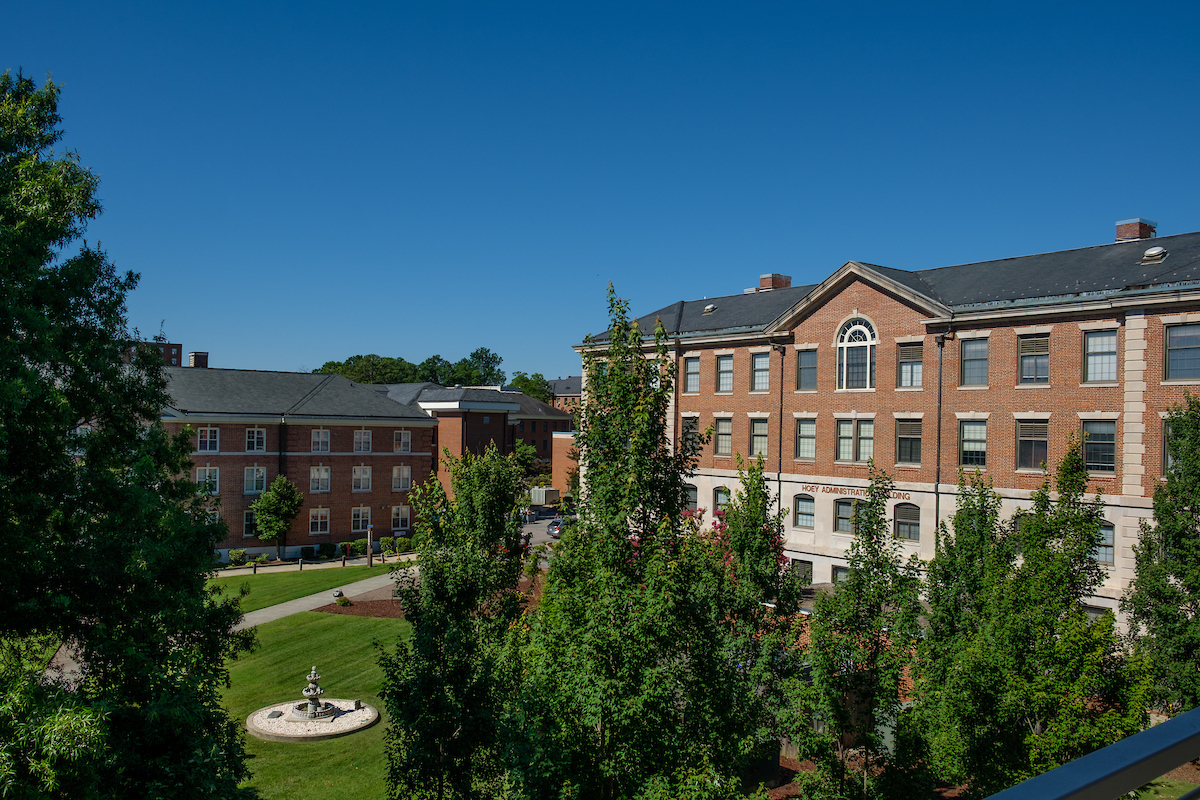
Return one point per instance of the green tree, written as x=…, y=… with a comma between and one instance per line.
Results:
x=445, y=689
x=372, y=369
x=274, y=511
x=436, y=369
x=627, y=670
x=107, y=544
x=481, y=368
x=535, y=386
x=862, y=638
x=1163, y=602
x=755, y=536
x=1039, y=683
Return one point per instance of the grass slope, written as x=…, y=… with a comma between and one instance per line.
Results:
x=342, y=649
x=269, y=589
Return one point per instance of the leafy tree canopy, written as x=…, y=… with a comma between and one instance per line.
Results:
x=275, y=509
x=107, y=543
x=480, y=368
x=535, y=386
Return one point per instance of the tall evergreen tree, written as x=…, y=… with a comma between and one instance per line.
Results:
x=1163, y=602
x=107, y=544
x=444, y=689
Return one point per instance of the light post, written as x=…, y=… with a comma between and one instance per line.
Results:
x=370, y=548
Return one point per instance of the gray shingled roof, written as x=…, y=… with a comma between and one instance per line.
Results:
x=406, y=393
x=568, y=386
x=532, y=407
x=1063, y=275
x=302, y=394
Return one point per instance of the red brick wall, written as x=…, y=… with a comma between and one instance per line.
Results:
x=340, y=499
x=563, y=464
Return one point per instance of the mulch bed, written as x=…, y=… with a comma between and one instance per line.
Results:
x=385, y=609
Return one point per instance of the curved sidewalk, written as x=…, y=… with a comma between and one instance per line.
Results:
x=312, y=601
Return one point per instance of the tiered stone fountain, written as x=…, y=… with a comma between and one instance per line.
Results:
x=312, y=720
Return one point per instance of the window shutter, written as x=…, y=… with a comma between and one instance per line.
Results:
x=907, y=513
x=908, y=429
x=909, y=352
x=1033, y=430
x=1034, y=345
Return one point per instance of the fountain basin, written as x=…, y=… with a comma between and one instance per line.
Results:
x=284, y=728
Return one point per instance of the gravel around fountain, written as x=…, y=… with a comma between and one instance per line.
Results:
x=281, y=729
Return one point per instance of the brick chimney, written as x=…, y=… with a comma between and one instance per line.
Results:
x=198, y=360
x=1130, y=230
x=774, y=281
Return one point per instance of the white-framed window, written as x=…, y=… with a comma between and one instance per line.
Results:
x=362, y=441
x=758, y=437
x=1100, y=356
x=256, y=440
x=318, y=521
x=723, y=439
x=1100, y=445
x=1106, y=549
x=806, y=370
x=908, y=522
x=249, y=526
x=402, y=442
x=691, y=430
x=855, y=439
x=400, y=518
x=840, y=574
x=805, y=515
x=806, y=438
x=254, y=479
x=1034, y=352
x=208, y=440
x=724, y=373
x=720, y=498
x=208, y=478
x=320, y=440
x=910, y=360
x=361, y=479
x=856, y=344
x=1183, y=351
x=360, y=518
x=908, y=441
x=760, y=372
x=974, y=363
x=401, y=478
x=691, y=375
x=1167, y=460
x=318, y=479
x=693, y=496
x=972, y=448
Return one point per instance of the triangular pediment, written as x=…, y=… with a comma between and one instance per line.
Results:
x=906, y=287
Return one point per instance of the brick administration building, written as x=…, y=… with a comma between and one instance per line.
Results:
x=988, y=366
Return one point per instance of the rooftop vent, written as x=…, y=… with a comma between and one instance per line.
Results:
x=1130, y=230
x=708, y=309
x=1154, y=255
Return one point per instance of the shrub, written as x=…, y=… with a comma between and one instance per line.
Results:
x=359, y=547
x=403, y=545
x=344, y=601
x=327, y=549
x=262, y=558
x=308, y=553
x=237, y=557
x=387, y=544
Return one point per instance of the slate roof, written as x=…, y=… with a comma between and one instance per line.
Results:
x=417, y=393
x=198, y=391
x=568, y=386
x=1063, y=276
x=532, y=407
x=406, y=393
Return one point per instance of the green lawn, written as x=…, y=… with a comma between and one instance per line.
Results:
x=341, y=647
x=278, y=587
x=1165, y=789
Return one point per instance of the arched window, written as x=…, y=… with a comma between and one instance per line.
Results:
x=806, y=511
x=908, y=522
x=720, y=498
x=856, y=355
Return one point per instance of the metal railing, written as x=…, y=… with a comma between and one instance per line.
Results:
x=1109, y=773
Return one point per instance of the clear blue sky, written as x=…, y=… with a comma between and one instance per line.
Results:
x=303, y=182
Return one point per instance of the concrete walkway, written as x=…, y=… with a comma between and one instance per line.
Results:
x=312, y=601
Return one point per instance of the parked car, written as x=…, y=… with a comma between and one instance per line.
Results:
x=557, y=526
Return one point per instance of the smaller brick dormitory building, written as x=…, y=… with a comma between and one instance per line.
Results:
x=991, y=366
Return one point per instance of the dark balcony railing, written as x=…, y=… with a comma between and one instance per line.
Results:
x=1109, y=773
